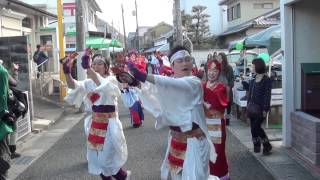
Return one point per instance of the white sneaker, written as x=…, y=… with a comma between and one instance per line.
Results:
x=128, y=175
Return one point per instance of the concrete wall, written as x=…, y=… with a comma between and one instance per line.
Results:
x=306, y=136
x=248, y=12
x=306, y=40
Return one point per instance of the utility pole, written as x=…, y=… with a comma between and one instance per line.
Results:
x=137, y=32
x=177, y=23
x=124, y=29
x=80, y=38
x=63, y=90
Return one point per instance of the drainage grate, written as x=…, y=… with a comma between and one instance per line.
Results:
x=23, y=160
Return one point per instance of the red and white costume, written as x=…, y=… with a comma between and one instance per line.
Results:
x=216, y=100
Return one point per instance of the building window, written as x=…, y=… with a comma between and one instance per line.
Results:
x=234, y=12
x=70, y=45
x=263, y=5
x=26, y=22
x=238, y=11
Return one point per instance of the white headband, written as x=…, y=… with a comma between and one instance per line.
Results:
x=179, y=54
x=99, y=59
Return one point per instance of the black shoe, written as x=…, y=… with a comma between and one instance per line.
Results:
x=15, y=155
x=267, y=149
x=227, y=121
x=136, y=125
x=256, y=149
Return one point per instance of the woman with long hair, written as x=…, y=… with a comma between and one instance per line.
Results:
x=228, y=77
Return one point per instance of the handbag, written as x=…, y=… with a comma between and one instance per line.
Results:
x=4, y=166
x=4, y=130
x=253, y=110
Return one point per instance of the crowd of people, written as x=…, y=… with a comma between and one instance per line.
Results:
x=193, y=103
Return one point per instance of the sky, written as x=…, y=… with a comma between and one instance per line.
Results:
x=150, y=13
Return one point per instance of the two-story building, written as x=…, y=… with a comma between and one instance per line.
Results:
x=134, y=41
x=247, y=17
x=156, y=32
x=20, y=24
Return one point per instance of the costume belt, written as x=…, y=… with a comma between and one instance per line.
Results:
x=178, y=147
x=214, y=120
x=98, y=129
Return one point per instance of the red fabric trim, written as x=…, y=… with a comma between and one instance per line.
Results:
x=175, y=161
x=135, y=117
x=217, y=97
x=178, y=145
x=96, y=139
x=99, y=125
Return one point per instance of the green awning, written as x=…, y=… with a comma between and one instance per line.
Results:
x=97, y=42
x=310, y=68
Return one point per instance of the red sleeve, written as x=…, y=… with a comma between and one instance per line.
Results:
x=222, y=95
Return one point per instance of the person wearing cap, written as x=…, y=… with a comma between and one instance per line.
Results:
x=106, y=144
x=215, y=103
x=177, y=102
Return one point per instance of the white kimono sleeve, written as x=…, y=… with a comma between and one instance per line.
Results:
x=172, y=100
x=75, y=96
x=108, y=86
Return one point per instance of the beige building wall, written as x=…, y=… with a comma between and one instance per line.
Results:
x=10, y=26
x=249, y=11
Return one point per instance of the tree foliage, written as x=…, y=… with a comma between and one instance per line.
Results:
x=196, y=24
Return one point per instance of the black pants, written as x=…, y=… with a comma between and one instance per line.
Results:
x=258, y=134
x=4, y=158
x=230, y=101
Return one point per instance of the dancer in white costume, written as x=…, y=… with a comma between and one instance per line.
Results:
x=177, y=102
x=106, y=144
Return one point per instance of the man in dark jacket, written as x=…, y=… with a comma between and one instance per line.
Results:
x=40, y=58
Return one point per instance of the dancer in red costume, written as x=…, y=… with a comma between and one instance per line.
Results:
x=216, y=101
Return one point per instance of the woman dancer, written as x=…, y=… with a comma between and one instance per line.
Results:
x=216, y=101
x=106, y=144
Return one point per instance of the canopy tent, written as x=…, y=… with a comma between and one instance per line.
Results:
x=115, y=43
x=269, y=38
x=233, y=44
x=160, y=48
x=97, y=42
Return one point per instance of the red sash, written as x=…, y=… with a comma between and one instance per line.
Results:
x=98, y=130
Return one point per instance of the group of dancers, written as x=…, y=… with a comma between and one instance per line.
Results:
x=192, y=109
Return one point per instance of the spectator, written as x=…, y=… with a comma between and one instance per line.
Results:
x=6, y=121
x=17, y=105
x=39, y=57
x=227, y=74
x=259, y=105
x=240, y=63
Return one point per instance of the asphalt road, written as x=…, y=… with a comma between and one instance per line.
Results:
x=146, y=146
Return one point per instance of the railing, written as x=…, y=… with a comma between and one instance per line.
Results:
x=41, y=75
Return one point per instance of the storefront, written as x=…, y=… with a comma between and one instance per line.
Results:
x=301, y=43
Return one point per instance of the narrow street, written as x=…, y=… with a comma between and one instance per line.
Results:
x=67, y=158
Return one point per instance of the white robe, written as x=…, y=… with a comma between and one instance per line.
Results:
x=179, y=102
x=114, y=153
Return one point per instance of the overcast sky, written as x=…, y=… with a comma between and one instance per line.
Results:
x=150, y=13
